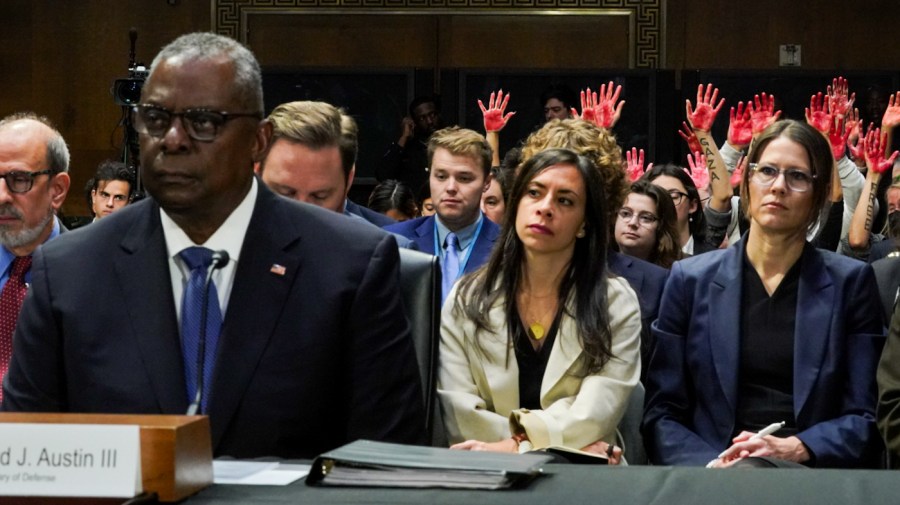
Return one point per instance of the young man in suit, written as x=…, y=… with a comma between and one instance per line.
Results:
x=306, y=344
x=460, y=163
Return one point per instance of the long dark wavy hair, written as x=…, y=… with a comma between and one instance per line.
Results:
x=584, y=281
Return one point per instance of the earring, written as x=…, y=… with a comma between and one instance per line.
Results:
x=580, y=233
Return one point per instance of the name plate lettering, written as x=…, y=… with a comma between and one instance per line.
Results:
x=77, y=460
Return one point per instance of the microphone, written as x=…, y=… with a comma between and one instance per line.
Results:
x=132, y=38
x=219, y=260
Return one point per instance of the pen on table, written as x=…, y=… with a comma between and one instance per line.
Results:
x=768, y=430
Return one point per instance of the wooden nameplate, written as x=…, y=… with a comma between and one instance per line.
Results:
x=176, y=451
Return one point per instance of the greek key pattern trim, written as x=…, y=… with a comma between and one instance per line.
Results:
x=648, y=16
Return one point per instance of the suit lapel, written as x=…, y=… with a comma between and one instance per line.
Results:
x=484, y=243
x=502, y=380
x=247, y=329
x=724, y=327
x=812, y=327
x=566, y=349
x=423, y=236
x=148, y=300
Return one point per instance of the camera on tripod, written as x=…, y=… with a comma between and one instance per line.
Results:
x=127, y=92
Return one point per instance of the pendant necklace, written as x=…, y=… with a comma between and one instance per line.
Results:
x=536, y=330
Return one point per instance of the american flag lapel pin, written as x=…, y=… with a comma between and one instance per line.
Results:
x=278, y=269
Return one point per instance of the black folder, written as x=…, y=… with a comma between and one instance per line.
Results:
x=378, y=464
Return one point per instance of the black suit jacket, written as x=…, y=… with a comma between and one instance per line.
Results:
x=307, y=360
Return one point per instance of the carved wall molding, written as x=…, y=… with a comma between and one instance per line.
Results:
x=647, y=18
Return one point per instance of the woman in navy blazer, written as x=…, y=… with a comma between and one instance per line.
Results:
x=730, y=320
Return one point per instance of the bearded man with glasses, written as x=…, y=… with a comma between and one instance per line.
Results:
x=34, y=165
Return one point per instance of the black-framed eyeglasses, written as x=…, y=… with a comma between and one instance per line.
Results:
x=677, y=196
x=796, y=179
x=645, y=219
x=200, y=124
x=20, y=181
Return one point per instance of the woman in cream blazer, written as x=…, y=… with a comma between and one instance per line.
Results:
x=546, y=280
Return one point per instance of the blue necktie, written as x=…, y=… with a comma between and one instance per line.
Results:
x=450, y=266
x=198, y=260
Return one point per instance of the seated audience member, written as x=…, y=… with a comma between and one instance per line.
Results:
x=493, y=201
x=707, y=167
x=645, y=225
x=407, y=159
x=557, y=101
x=771, y=329
x=395, y=200
x=861, y=243
x=694, y=237
x=458, y=233
x=312, y=158
x=588, y=139
x=34, y=163
x=112, y=188
x=542, y=347
x=426, y=204
x=747, y=123
x=306, y=343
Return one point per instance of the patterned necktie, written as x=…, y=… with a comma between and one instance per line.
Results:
x=450, y=267
x=198, y=260
x=11, y=299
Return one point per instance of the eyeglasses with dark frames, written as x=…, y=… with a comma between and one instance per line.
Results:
x=645, y=219
x=200, y=124
x=677, y=196
x=796, y=179
x=20, y=181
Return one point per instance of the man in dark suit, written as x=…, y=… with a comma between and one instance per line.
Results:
x=312, y=157
x=34, y=165
x=460, y=161
x=313, y=350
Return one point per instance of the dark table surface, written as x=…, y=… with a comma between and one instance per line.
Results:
x=576, y=484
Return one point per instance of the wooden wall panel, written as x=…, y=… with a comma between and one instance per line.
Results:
x=60, y=58
x=15, y=56
x=343, y=40
x=834, y=34
x=66, y=58
x=551, y=42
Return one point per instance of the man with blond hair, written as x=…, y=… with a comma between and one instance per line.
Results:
x=460, y=162
x=312, y=159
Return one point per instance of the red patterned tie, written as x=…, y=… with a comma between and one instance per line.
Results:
x=11, y=299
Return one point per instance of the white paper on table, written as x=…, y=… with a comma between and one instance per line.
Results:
x=257, y=473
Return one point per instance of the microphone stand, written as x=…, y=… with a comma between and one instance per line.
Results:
x=219, y=260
